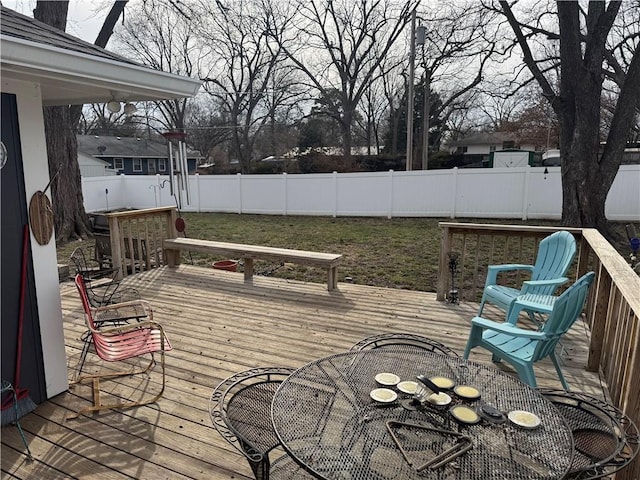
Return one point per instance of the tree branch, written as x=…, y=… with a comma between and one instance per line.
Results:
x=547, y=89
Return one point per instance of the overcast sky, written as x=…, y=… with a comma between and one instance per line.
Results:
x=84, y=20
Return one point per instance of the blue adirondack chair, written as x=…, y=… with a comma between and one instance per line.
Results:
x=555, y=254
x=522, y=347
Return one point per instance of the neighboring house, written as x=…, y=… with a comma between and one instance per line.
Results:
x=133, y=155
x=630, y=156
x=93, y=167
x=42, y=66
x=477, y=147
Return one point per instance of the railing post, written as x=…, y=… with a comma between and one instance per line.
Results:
x=171, y=232
x=116, y=251
x=583, y=257
x=445, y=246
x=597, y=318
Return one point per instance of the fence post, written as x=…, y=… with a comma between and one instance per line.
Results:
x=335, y=194
x=525, y=192
x=390, y=214
x=239, y=177
x=454, y=192
x=125, y=199
x=284, y=193
x=196, y=197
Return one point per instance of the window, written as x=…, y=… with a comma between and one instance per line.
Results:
x=508, y=144
x=492, y=148
x=137, y=165
x=162, y=165
x=118, y=164
x=151, y=165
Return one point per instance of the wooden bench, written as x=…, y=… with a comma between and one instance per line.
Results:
x=249, y=253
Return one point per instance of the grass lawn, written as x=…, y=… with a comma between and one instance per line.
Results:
x=397, y=253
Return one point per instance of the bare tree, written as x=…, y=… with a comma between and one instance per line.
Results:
x=283, y=103
x=159, y=34
x=598, y=46
x=500, y=110
x=207, y=128
x=461, y=40
x=241, y=63
x=339, y=45
x=394, y=87
x=374, y=108
x=60, y=123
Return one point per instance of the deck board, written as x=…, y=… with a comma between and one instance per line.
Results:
x=218, y=325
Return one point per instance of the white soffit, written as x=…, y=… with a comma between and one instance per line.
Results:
x=67, y=77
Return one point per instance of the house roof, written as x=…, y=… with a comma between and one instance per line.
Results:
x=85, y=159
x=17, y=25
x=72, y=71
x=105, y=146
x=484, y=138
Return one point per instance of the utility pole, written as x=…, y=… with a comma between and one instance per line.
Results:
x=412, y=59
x=421, y=39
x=427, y=113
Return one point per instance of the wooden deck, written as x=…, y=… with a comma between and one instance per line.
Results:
x=218, y=325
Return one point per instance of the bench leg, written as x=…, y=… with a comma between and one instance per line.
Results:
x=173, y=257
x=248, y=268
x=332, y=278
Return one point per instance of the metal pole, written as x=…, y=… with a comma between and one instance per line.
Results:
x=412, y=58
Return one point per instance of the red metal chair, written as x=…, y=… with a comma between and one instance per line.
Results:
x=120, y=343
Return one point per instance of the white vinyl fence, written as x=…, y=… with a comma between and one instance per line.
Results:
x=523, y=193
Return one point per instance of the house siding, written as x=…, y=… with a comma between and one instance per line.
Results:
x=45, y=267
x=128, y=165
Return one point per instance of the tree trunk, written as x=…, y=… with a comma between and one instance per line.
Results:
x=345, y=127
x=62, y=148
x=395, y=125
x=61, y=124
x=71, y=221
x=586, y=176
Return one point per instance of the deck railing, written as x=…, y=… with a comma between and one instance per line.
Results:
x=136, y=237
x=613, y=307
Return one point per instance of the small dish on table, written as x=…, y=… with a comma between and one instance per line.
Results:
x=408, y=386
x=464, y=414
x=442, y=382
x=467, y=392
x=439, y=399
x=524, y=419
x=388, y=379
x=383, y=395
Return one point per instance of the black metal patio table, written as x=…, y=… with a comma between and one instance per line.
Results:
x=327, y=421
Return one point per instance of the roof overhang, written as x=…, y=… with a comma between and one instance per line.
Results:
x=69, y=78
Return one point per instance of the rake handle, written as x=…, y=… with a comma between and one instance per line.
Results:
x=23, y=288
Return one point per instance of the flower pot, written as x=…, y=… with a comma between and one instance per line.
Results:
x=229, y=265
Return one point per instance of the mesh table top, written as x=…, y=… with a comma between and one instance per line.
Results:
x=326, y=420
